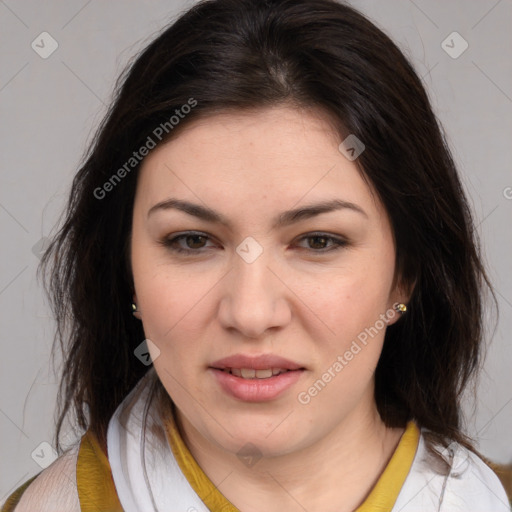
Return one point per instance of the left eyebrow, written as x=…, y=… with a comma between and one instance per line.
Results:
x=309, y=211
x=284, y=219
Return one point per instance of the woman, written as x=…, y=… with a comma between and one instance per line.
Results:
x=269, y=214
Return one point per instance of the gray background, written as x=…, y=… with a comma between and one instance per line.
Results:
x=50, y=107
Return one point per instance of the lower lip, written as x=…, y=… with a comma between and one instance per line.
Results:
x=256, y=390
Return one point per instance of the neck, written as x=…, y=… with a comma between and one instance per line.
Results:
x=335, y=473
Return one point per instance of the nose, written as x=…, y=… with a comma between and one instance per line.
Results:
x=253, y=299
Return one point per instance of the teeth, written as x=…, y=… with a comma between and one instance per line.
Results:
x=250, y=373
x=263, y=374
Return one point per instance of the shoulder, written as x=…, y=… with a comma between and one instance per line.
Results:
x=54, y=488
x=470, y=485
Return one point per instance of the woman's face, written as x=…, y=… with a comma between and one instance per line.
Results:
x=266, y=271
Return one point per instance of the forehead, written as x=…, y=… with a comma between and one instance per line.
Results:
x=261, y=158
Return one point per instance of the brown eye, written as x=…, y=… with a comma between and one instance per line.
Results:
x=195, y=241
x=187, y=243
x=318, y=242
x=322, y=242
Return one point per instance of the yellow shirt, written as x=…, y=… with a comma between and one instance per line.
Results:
x=96, y=489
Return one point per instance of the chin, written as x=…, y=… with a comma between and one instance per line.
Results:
x=266, y=438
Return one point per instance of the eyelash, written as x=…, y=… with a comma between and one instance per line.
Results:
x=170, y=243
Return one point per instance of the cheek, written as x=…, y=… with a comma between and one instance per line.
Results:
x=349, y=302
x=176, y=307
x=166, y=293
x=347, y=358
x=172, y=305
x=353, y=305
x=172, y=321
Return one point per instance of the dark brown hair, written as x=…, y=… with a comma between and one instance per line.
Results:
x=247, y=54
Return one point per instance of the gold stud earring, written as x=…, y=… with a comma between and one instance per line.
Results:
x=400, y=307
x=134, y=307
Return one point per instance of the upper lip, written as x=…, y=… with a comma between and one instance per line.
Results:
x=261, y=362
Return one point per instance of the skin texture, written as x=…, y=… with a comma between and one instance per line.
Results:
x=294, y=301
x=55, y=488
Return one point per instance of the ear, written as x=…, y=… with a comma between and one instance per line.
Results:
x=136, y=313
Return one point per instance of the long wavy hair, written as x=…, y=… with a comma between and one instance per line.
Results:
x=236, y=55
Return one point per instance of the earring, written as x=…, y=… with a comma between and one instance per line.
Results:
x=400, y=307
x=134, y=307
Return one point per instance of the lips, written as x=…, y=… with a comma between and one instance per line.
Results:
x=256, y=389
x=256, y=378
